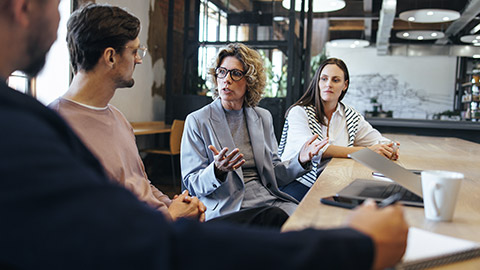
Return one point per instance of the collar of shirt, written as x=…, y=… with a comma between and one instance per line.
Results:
x=87, y=106
x=339, y=112
x=336, y=131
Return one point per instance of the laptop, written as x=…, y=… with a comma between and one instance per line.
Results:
x=406, y=182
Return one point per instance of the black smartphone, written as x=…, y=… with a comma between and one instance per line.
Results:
x=341, y=202
x=350, y=203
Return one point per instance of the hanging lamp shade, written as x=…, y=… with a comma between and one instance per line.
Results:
x=349, y=43
x=429, y=15
x=420, y=34
x=318, y=5
x=474, y=39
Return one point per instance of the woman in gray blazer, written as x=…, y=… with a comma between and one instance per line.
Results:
x=249, y=175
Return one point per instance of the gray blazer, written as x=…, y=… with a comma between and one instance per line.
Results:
x=208, y=126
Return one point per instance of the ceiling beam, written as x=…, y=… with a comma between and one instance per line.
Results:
x=356, y=25
x=403, y=25
x=233, y=6
x=468, y=14
x=385, y=25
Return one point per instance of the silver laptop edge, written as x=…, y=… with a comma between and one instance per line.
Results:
x=390, y=169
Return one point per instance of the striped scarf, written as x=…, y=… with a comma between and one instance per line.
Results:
x=352, y=118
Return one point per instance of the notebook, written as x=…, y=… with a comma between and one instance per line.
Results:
x=427, y=249
x=406, y=182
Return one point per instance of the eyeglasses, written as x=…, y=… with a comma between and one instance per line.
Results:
x=140, y=52
x=235, y=74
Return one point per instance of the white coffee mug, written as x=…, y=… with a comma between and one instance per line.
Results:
x=440, y=190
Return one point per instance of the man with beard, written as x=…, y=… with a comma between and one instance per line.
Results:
x=35, y=44
x=60, y=211
x=104, y=49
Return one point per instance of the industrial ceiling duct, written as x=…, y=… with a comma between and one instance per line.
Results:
x=385, y=25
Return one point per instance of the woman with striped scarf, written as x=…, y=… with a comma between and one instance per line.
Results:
x=320, y=111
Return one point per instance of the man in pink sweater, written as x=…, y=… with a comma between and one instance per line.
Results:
x=99, y=71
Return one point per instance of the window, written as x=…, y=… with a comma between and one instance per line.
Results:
x=213, y=27
x=214, y=32
x=53, y=80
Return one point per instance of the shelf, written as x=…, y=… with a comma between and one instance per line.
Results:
x=470, y=84
x=423, y=124
x=470, y=99
x=473, y=72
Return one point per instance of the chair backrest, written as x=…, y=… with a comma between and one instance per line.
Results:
x=176, y=136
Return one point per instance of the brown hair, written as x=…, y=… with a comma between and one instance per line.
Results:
x=93, y=28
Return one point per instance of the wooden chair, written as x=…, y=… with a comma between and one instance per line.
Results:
x=174, y=145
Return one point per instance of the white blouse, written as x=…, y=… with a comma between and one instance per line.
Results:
x=299, y=131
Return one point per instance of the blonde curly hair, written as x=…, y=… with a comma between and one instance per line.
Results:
x=252, y=66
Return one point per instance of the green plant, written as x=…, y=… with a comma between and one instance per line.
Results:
x=447, y=113
x=276, y=83
x=199, y=84
x=316, y=61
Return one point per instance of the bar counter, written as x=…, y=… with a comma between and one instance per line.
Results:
x=440, y=128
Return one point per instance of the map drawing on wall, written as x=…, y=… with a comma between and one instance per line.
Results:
x=400, y=97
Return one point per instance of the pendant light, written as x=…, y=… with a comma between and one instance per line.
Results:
x=318, y=5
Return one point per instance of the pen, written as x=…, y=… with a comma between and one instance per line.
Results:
x=390, y=200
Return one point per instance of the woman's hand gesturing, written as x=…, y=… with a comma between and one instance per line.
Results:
x=310, y=149
x=226, y=162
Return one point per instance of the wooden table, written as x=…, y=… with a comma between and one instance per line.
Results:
x=153, y=127
x=416, y=152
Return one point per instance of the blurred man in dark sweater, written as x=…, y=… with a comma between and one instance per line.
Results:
x=60, y=211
